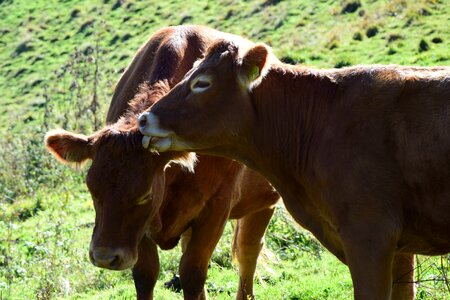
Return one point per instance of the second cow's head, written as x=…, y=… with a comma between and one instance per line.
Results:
x=127, y=187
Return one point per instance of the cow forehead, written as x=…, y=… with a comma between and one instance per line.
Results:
x=127, y=161
x=218, y=57
x=130, y=175
x=214, y=65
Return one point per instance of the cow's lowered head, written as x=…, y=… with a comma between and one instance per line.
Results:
x=127, y=185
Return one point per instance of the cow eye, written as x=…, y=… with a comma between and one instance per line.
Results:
x=144, y=199
x=200, y=84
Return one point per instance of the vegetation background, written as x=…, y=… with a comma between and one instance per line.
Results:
x=59, y=61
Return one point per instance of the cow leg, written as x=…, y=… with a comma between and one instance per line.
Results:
x=206, y=232
x=247, y=244
x=369, y=252
x=185, y=239
x=146, y=269
x=403, y=276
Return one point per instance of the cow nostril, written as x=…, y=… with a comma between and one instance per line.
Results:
x=142, y=121
x=105, y=259
x=115, y=261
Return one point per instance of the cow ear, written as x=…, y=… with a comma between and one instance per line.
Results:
x=254, y=64
x=68, y=147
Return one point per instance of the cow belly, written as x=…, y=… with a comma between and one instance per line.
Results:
x=429, y=245
x=427, y=228
x=427, y=242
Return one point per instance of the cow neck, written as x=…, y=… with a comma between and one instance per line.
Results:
x=291, y=106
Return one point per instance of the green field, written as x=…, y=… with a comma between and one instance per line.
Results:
x=59, y=61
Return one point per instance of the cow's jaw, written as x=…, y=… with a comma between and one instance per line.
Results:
x=157, y=143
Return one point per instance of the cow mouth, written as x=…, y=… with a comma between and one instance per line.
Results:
x=117, y=259
x=156, y=143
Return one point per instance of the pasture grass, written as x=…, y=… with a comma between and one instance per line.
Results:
x=50, y=51
x=45, y=256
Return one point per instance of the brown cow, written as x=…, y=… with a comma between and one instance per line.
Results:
x=138, y=203
x=360, y=155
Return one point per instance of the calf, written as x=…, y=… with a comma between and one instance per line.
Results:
x=141, y=199
x=360, y=155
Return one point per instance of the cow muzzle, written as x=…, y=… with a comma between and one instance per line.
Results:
x=155, y=137
x=149, y=126
x=113, y=259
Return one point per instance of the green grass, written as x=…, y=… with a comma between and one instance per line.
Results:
x=48, y=258
x=49, y=53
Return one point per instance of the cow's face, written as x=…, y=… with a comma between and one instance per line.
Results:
x=211, y=107
x=127, y=186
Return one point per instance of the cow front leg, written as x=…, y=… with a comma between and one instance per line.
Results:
x=403, y=277
x=247, y=244
x=185, y=240
x=206, y=232
x=369, y=251
x=146, y=269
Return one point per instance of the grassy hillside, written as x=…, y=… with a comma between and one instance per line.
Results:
x=39, y=37
x=59, y=61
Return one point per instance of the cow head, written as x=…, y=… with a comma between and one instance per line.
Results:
x=127, y=186
x=212, y=105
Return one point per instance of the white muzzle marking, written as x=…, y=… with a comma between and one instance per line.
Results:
x=155, y=137
x=149, y=125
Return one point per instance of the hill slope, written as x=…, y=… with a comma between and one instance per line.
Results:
x=39, y=37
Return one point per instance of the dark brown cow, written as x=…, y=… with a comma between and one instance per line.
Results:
x=140, y=201
x=360, y=156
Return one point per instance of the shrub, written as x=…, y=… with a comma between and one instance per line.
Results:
x=423, y=46
x=372, y=31
x=351, y=7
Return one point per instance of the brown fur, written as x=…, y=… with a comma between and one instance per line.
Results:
x=360, y=155
x=141, y=200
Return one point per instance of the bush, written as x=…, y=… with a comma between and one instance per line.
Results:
x=371, y=31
